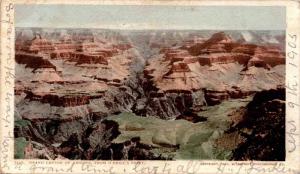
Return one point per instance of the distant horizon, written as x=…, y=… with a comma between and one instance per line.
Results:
x=86, y=28
x=151, y=17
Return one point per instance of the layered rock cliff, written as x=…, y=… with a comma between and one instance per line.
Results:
x=214, y=70
x=65, y=91
x=262, y=126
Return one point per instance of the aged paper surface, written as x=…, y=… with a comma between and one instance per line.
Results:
x=149, y=87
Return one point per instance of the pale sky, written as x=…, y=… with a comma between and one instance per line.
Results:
x=151, y=17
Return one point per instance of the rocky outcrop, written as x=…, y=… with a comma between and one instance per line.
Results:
x=81, y=58
x=223, y=58
x=86, y=144
x=263, y=127
x=215, y=97
x=178, y=67
x=271, y=56
x=169, y=104
x=245, y=49
x=122, y=47
x=62, y=101
x=191, y=116
x=256, y=62
x=87, y=52
x=221, y=48
x=213, y=44
x=180, y=73
x=81, y=73
x=33, y=61
x=91, y=142
x=90, y=76
x=100, y=56
x=207, y=66
x=38, y=45
x=175, y=54
x=25, y=128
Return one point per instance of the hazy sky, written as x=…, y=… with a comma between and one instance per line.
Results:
x=151, y=17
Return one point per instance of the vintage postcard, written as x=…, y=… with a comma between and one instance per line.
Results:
x=150, y=87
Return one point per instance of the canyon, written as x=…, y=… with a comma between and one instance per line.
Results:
x=146, y=95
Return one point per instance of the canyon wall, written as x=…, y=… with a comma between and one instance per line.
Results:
x=67, y=85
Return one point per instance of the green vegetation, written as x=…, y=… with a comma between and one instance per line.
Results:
x=195, y=140
x=20, y=144
x=22, y=123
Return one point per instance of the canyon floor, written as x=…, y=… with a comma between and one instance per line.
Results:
x=96, y=94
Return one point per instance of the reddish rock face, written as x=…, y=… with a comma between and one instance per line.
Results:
x=256, y=62
x=175, y=54
x=80, y=49
x=38, y=45
x=179, y=67
x=272, y=56
x=67, y=83
x=54, y=100
x=219, y=50
x=210, y=64
x=216, y=97
x=65, y=47
x=123, y=47
x=220, y=43
x=223, y=58
x=33, y=61
x=187, y=66
x=215, y=44
x=245, y=49
x=87, y=53
x=60, y=55
x=78, y=69
x=81, y=58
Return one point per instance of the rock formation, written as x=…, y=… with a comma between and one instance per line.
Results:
x=68, y=83
x=263, y=128
x=219, y=67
